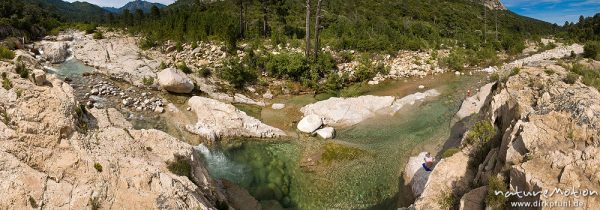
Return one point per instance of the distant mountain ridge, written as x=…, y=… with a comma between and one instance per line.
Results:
x=76, y=11
x=135, y=5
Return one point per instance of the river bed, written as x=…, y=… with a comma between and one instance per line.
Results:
x=360, y=169
x=284, y=172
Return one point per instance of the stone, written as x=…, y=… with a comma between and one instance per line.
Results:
x=159, y=110
x=176, y=81
x=217, y=119
x=310, y=123
x=473, y=104
x=474, y=199
x=277, y=106
x=415, y=175
x=55, y=52
x=421, y=86
x=345, y=112
x=326, y=133
x=39, y=77
x=268, y=95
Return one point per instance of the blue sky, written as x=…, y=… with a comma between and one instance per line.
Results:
x=119, y=3
x=554, y=11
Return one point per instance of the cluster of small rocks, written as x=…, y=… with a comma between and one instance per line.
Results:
x=205, y=55
x=143, y=102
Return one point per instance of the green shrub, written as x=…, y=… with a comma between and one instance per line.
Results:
x=366, y=70
x=352, y=90
x=21, y=70
x=491, y=199
x=237, y=74
x=98, y=35
x=495, y=76
x=449, y=152
x=571, y=78
x=481, y=133
x=147, y=43
x=447, y=200
x=162, y=65
x=6, y=53
x=592, y=50
x=32, y=202
x=287, y=65
x=205, y=72
x=98, y=167
x=180, y=167
x=549, y=71
x=456, y=60
x=184, y=68
x=6, y=84
x=589, y=77
x=515, y=71
x=148, y=81
x=94, y=203
x=178, y=47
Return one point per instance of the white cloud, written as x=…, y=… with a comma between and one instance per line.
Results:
x=120, y=3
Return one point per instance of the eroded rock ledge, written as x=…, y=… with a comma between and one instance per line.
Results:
x=548, y=137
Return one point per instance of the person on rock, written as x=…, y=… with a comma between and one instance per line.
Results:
x=428, y=164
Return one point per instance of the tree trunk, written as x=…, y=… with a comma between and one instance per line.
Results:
x=307, y=50
x=241, y=3
x=317, y=28
x=264, y=18
x=484, y=22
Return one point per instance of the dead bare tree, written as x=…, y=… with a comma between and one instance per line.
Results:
x=265, y=23
x=242, y=27
x=484, y=21
x=307, y=50
x=317, y=28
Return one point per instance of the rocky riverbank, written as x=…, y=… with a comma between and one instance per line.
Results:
x=57, y=154
x=542, y=135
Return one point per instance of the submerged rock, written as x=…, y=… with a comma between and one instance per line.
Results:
x=176, y=81
x=217, y=119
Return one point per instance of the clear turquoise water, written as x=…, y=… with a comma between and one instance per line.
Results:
x=71, y=68
x=272, y=171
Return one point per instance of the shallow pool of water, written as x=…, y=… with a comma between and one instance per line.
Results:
x=70, y=68
x=275, y=171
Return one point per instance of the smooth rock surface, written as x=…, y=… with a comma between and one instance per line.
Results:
x=277, y=106
x=174, y=80
x=310, y=123
x=350, y=111
x=217, y=119
x=326, y=133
